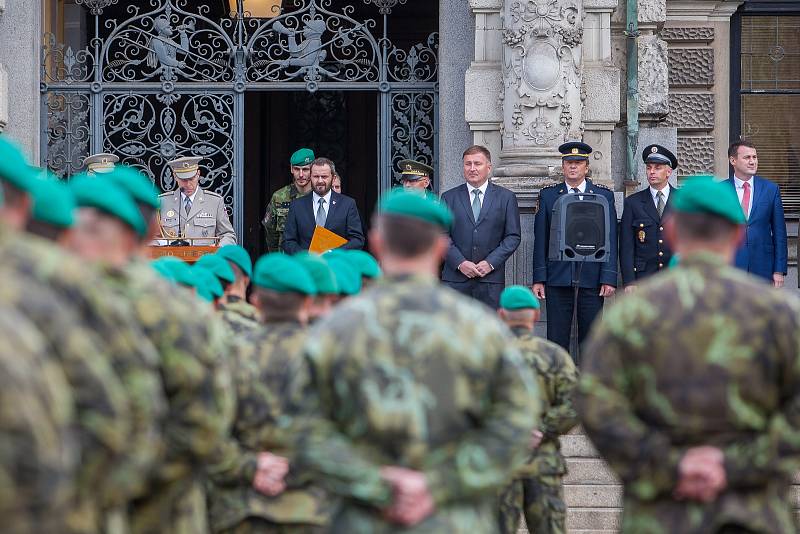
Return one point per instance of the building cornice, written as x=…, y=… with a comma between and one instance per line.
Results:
x=701, y=10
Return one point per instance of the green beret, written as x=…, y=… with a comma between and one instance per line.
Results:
x=237, y=255
x=302, y=157
x=426, y=208
x=53, y=203
x=13, y=167
x=109, y=198
x=206, y=283
x=321, y=273
x=704, y=194
x=218, y=266
x=348, y=279
x=135, y=183
x=282, y=273
x=518, y=298
x=174, y=270
x=364, y=262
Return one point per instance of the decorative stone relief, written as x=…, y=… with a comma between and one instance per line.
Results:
x=693, y=34
x=691, y=67
x=653, y=76
x=695, y=155
x=652, y=10
x=691, y=111
x=542, y=73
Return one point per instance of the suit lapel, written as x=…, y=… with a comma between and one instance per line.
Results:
x=463, y=196
x=649, y=205
x=488, y=200
x=668, y=205
x=758, y=190
x=335, y=200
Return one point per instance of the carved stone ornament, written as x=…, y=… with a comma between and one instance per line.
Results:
x=541, y=72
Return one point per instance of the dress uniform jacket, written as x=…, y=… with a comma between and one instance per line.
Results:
x=642, y=248
x=207, y=218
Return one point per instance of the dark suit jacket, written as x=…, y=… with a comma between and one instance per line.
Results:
x=559, y=273
x=493, y=237
x=343, y=219
x=642, y=248
x=763, y=250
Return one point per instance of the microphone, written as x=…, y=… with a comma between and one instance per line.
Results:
x=179, y=242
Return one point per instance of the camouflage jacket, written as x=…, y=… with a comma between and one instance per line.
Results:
x=239, y=316
x=701, y=355
x=133, y=359
x=261, y=361
x=200, y=401
x=557, y=377
x=38, y=453
x=275, y=217
x=413, y=374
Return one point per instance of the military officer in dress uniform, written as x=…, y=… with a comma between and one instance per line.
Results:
x=553, y=279
x=192, y=212
x=278, y=208
x=642, y=248
x=100, y=163
x=415, y=175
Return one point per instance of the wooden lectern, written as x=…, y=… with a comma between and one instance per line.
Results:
x=188, y=254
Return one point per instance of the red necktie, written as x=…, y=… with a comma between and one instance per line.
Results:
x=746, y=198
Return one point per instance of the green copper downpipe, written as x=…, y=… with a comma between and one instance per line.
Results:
x=632, y=33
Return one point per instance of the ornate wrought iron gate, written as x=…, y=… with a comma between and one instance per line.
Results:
x=169, y=78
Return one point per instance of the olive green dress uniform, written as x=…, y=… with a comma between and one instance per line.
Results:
x=274, y=220
x=38, y=452
x=700, y=355
x=206, y=218
x=538, y=490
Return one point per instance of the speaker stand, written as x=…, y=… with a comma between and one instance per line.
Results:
x=574, y=347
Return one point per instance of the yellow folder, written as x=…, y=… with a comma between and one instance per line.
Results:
x=324, y=240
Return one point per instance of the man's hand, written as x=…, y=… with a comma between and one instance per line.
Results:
x=270, y=474
x=630, y=288
x=777, y=280
x=412, y=501
x=701, y=474
x=607, y=290
x=536, y=438
x=484, y=268
x=469, y=269
x=538, y=290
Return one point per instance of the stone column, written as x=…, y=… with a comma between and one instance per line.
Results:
x=20, y=28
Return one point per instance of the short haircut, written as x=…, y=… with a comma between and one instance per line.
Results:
x=277, y=306
x=406, y=237
x=319, y=162
x=44, y=230
x=12, y=194
x=733, y=150
x=702, y=227
x=477, y=149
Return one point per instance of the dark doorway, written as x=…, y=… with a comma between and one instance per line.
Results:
x=340, y=125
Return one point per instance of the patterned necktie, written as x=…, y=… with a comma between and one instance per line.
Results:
x=321, y=216
x=746, y=199
x=476, y=203
x=660, y=203
x=575, y=190
x=187, y=207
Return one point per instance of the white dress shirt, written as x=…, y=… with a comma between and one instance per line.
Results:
x=325, y=205
x=654, y=193
x=740, y=192
x=581, y=187
x=482, y=189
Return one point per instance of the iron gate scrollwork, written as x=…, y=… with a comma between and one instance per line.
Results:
x=168, y=77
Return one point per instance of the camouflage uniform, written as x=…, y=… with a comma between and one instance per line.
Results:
x=699, y=355
x=275, y=217
x=38, y=454
x=538, y=491
x=133, y=359
x=262, y=361
x=413, y=374
x=199, y=398
x=239, y=316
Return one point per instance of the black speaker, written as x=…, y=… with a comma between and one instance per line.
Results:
x=579, y=229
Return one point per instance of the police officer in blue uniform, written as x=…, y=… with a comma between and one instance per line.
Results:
x=642, y=248
x=552, y=280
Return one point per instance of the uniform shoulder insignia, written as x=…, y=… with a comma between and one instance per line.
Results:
x=551, y=186
x=601, y=186
x=166, y=194
x=212, y=194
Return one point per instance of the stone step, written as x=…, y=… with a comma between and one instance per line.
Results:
x=593, y=496
x=594, y=519
x=589, y=471
x=577, y=446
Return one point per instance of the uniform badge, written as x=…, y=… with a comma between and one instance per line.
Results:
x=171, y=233
x=205, y=233
x=654, y=149
x=171, y=213
x=642, y=235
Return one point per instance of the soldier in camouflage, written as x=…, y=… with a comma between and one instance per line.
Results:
x=190, y=344
x=537, y=491
x=278, y=208
x=691, y=385
x=237, y=313
x=38, y=453
x=411, y=402
x=262, y=359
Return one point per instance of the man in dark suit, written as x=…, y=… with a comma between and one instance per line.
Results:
x=323, y=207
x=642, y=248
x=763, y=251
x=485, y=231
x=553, y=279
